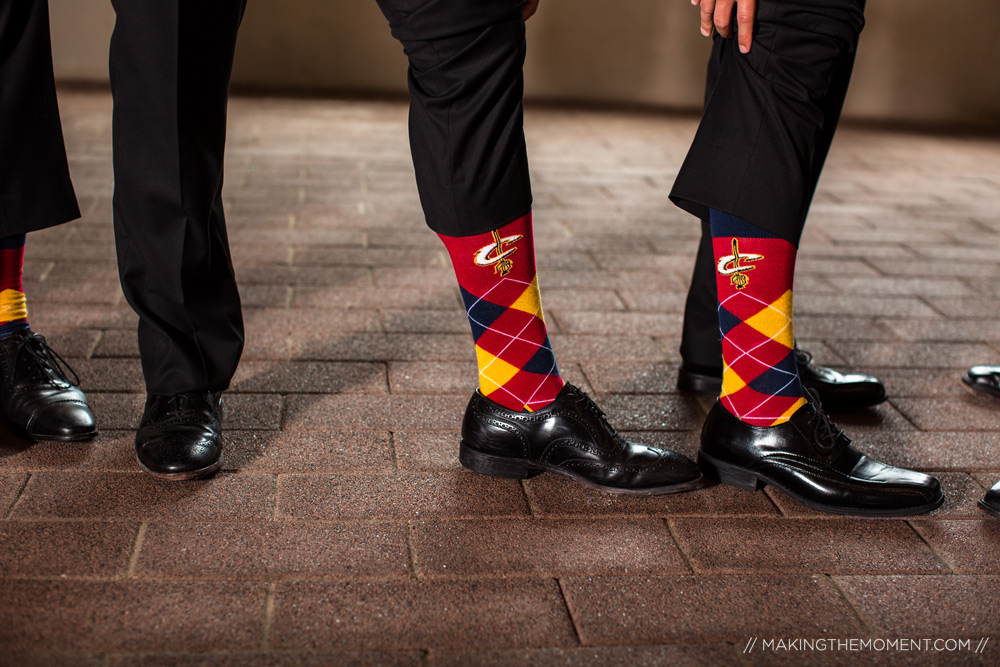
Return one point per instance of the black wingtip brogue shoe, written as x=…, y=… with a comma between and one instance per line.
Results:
x=811, y=460
x=39, y=399
x=991, y=502
x=838, y=391
x=983, y=380
x=180, y=437
x=571, y=436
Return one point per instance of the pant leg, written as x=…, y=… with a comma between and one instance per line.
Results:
x=700, y=344
x=171, y=62
x=756, y=151
x=35, y=189
x=466, y=114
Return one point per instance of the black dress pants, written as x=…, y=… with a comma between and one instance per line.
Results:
x=466, y=115
x=170, y=64
x=770, y=117
x=35, y=189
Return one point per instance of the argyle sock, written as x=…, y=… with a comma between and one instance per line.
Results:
x=754, y=272
x=13, y=308
x=496, y=274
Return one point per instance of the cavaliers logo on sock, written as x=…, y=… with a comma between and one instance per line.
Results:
x=497, y=254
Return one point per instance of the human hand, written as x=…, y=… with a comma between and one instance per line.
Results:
x=719, y=13
x=530, y=7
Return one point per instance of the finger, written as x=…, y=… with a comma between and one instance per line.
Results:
x=530, y=7
x=723, y=17
x=707, y=10
x=745, y=12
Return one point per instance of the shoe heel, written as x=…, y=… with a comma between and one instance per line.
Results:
x=495, y=466
x=730, y=475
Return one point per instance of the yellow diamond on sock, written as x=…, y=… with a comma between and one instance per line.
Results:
x=787, y=415
x=529, y=301
x=775, y=321
x=731, y=382
x=494, y=372
x=13, y=306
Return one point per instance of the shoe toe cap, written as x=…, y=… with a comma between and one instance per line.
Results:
x=178, y=456
x=66, y=420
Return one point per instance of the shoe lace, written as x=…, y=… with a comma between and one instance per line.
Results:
x=825, y=432
x=588, y=404
x=33, y=348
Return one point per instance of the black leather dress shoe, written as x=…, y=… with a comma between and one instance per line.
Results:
x=572, y=437
x=984, y=380
x=180, y=437
x=838, y=391
x=39, y=400
x=991, y=502
x=811, y=460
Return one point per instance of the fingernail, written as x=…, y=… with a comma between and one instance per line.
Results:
x=704, y=32
x=744, y=49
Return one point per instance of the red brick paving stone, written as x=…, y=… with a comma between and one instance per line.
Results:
x=954, y=605
x=923, y=383
x=651, y=412
x=709, y=655
x=969, y=547
x=913, y=355
x=273, y=659
x=555, y=547
x=43, y=549
x=101, y=616
x=435, y=377
x=551, y=494
x=307, y=451
x=425, y=321
x=273, y=551
x=622, y=610
x=931, y=451
x=456, y=614
x=383, y=347
x=119, y=375
x=624, y=323
x=965, y=414
x=111, y=450
x=438, y=298
x=311, y=377
x=585, y=348
x=987, y=479
x=137, y=496
x=402, y=495
x=631, y=378
x=48, y=659
x=374, y=412
x=10, y=489
x=426, y=450
x=848, y=546
x=288, y=320
x=961, y=493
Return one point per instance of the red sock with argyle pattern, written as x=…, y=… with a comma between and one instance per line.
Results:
x=13, y=307
x=754, y=272
x=496, y=274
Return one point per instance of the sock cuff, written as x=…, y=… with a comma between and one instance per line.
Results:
x=726, y=224
x=12, y=242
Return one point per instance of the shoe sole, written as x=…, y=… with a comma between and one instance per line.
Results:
x=730, y=475
x=181, y=476
x=35, y=437
x=511, y=468
x=980, y=393
x=989, y=509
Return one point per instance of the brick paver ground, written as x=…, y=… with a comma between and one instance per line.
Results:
x=342, y=529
